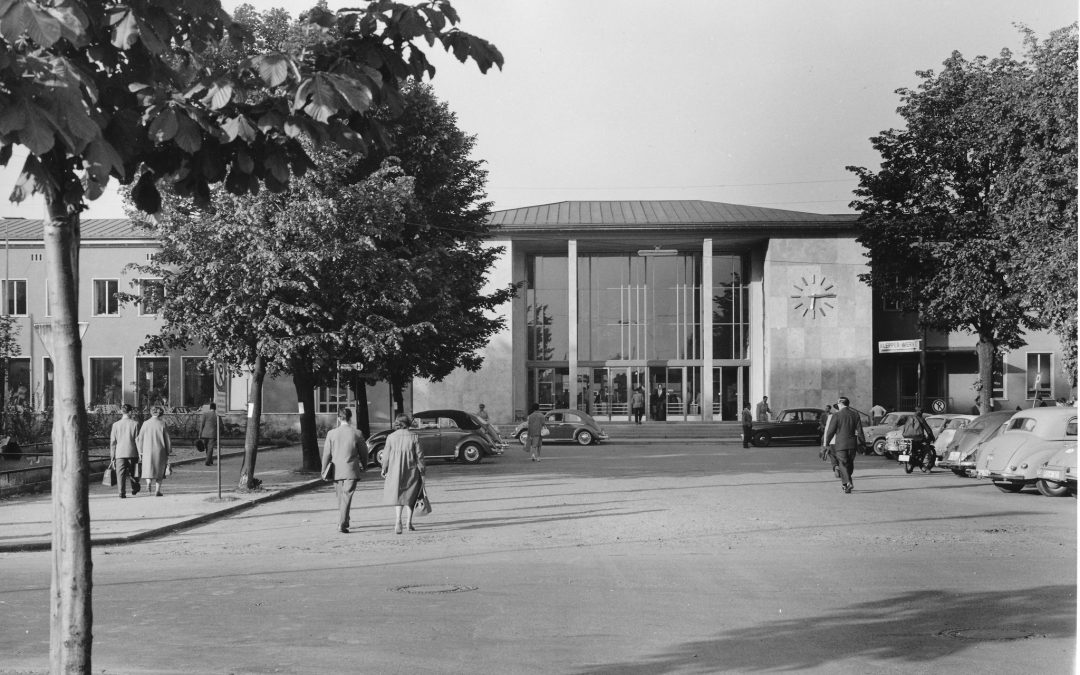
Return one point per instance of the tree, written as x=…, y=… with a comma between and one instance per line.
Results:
x=937, y=239
x=1035, y=195
x=451, y=319
x=101, y=89
x=283, y=283
x=937, y=242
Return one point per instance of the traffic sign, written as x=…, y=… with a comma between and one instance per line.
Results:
x=221, y=387
x=938, y=405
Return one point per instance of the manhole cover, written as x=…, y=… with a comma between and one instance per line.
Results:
x=988, y=634
x=425, y=589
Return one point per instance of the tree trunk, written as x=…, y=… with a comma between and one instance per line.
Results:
x=251, y=437
x=985, y=350
x=363, y=422
x=70, y=611
x=304, y=383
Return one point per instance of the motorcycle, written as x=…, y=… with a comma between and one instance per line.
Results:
x=916, y=453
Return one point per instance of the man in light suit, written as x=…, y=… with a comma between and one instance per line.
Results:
x=846, y=433
x=124, y=452
x=345, y=448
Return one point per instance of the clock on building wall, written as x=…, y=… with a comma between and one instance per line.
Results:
x=814, y=296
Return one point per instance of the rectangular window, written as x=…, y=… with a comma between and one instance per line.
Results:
x=48, y=303
x=1038, y=376
x=997, y=377
x=18, y=382
x=15, y=296
x=151, y=296
x=151, y=382
x=48, y=370
x=731, y=308
x=547, y=309
x=105, y=302
x=106, y=382
x=198, y=382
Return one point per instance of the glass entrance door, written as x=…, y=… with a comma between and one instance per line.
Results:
x=729, y=391
x=611, y=389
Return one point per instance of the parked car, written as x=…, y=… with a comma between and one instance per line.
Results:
x=1057, y=475
x=893, y=437
x=962, y=451
x=792, y=424
x=446, y=434
x=566, y=425
x=1012, y=460
x=875, y=433
x=954, y=423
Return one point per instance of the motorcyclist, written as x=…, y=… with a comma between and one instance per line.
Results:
x=921, y=436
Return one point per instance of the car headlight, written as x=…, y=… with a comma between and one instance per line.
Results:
x=1012, y=467
x=1024, y=465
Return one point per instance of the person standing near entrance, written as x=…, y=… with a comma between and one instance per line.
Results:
x=637, y=404
x=660, y=404
x=763, y=411
x=536, y=425
x=124, y=452
x=342, y=449
x=747, y=424
x=876, y=413
x=208, y=432
x=845, y=432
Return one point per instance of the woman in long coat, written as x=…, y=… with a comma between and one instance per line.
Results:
x=403, y=469
x=154, y=448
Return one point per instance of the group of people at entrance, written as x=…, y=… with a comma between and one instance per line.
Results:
x=344, y=457
x=658, y=410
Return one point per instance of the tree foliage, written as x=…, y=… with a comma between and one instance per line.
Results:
x=941, y=234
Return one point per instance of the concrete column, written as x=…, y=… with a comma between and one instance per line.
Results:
x=572, y=319
x=706, y=330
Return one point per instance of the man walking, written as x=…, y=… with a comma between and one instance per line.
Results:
x=346, y=450
x=208, y=432
x=124, y=452
x=845, y=432
x=637, y=404
x=536, y=424
x=763, y=411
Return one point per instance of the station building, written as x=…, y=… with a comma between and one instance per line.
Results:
x=706, y=306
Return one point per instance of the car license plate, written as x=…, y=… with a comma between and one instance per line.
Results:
x=954, y=455
x=1052, y=475
x=904, y=458
x=982, y=473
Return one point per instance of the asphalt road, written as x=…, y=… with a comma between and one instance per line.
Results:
x=637, y=558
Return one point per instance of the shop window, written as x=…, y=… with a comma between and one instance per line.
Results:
x=47, y=367
x=18, y=382
x=106, y=381
x=997, y=377
x=15, y=296
x=105, y=300
x=1038, y=376
x=151, y=296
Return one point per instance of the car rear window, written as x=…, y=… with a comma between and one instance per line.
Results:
x=1070, y=427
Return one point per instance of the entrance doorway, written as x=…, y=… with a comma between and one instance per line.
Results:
x=675, y=393
x=610, y=390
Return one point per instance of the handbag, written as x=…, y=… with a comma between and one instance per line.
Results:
x=199, y=445
x=328, y=471
x=544, y=431
x=423, y=504
x=109, y=479
x=168, y=469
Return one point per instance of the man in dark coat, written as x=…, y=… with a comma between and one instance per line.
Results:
x=845, y=432
x=747, y=424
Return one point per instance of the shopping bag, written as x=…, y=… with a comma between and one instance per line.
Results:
x=109, y=479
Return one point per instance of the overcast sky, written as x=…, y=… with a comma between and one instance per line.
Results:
x=759, y=102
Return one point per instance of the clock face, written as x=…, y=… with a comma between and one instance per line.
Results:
x=814, y=296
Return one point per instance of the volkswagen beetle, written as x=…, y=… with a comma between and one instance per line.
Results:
x=1013, y=459
x=1057, y=475
x=446, y=434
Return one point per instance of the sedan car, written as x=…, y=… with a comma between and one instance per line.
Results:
x=446, y=434
x=565, y=425
x=875, y=433
x=953, y=424
x=1057, y=475
x=962, y=451
x=1012, y=460
x=793, y=424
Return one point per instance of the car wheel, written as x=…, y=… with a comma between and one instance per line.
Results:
x=1049, y=489
x=960, y=472
x=471, y=453
x=1007, y=486
x=523, y=438
x=379, y=454
x=762, y=439
x=879, y=447
x=584, y=437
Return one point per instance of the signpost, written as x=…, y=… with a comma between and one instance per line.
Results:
x=899, y=346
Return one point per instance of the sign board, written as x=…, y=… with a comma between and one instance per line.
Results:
x=937, y=405
x=899, y=346
x=221, y=387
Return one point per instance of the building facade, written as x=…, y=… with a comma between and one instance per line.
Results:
x=704, y=306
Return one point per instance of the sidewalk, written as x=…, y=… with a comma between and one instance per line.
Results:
x=189, y=499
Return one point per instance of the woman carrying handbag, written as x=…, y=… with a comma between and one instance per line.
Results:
x=403, y=469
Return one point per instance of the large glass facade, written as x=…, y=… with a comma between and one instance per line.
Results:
x=633, y=312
